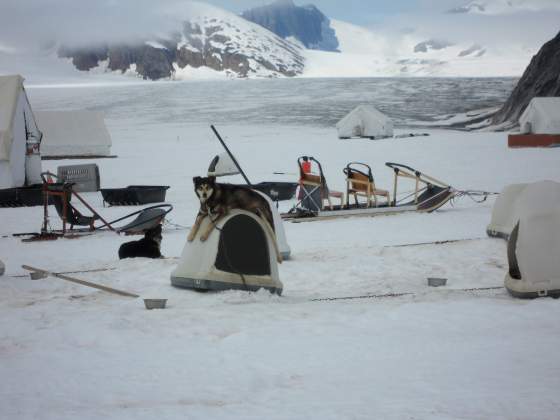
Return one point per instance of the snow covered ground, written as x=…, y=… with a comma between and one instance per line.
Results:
x=67, y=351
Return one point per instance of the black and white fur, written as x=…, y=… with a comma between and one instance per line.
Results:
x=217, y=200
x=149, y=246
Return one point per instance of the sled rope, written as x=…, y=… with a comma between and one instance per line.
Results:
x=396, y=295
x=475, y=195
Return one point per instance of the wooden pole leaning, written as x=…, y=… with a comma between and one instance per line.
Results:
x=82, y=282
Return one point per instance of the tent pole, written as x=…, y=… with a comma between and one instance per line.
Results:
x=231, y=155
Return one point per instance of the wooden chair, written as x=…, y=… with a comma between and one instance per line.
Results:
x=360, y=182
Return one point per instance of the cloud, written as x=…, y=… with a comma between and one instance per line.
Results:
x=28, y=24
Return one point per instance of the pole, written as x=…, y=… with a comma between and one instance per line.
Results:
x=231, y=155
x=82, y=282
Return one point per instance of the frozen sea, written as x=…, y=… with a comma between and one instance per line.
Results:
x=307, y=102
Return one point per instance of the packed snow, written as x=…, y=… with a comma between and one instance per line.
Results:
x=68, y=351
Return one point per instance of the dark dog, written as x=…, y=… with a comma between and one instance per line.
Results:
x=148, y=247
x=217, y=200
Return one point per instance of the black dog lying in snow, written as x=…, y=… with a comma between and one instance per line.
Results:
x=148, y=247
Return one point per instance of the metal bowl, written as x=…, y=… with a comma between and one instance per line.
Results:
x=436, y=281
x=38, y=275
x=155, y=303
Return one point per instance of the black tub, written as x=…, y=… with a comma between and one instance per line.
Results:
x=134, y=195
x=23, y=196
x=277, y=191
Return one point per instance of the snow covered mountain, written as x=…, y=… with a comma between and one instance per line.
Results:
x=208, y=42
x=366, y=53
x=213, y=42
x=307, y=23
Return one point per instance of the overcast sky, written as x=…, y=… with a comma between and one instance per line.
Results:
x=35, y=22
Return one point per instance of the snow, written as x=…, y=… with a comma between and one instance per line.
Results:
x=68, y=351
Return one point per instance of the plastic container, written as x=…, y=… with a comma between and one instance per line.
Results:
x=134, y=195
x=436, y=281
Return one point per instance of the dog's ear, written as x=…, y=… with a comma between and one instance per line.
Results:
x=196, y=180
x=211, y=179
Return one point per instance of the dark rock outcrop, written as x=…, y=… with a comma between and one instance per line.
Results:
x=541, y=78
x=230, y=45
x=307, y=23
x=84, y=59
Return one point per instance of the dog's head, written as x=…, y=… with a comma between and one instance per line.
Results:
x=154, y=234
x=204, y=187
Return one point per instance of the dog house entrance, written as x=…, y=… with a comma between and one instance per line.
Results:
x=243, y=247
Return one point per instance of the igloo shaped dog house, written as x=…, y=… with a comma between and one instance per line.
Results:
x=504, y=212
x=281, y=240
x=519, y=200
x=240, y=253
x=533, y=256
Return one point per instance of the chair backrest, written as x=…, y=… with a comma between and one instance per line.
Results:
x=64, y=194
x=359, y=176
x=359, y=181
x=310, y=179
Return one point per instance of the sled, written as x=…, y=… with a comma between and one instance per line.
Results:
x=429, y=194
x=61, y=194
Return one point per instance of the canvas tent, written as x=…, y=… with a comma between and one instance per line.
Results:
x=238, y=254
x=20, y=139
x=521, y=200
x=542, y=116
x=74, y=134
x=365, y=121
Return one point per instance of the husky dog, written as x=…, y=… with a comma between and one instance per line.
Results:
x=217, y=200
x=148, y=247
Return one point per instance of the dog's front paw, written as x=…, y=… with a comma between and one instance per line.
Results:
x=203, y=238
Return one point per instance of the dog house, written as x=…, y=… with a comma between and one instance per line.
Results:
x=519, y=200
x=533, y=250
x=504, y=212
x=281, y=239
x=238, y=254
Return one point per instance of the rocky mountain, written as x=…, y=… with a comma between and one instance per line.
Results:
x=307, y=24
x=541, y=78
x=215, y=40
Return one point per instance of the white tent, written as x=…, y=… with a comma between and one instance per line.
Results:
x=238, y=254
x=520, y=200
x=74, y=133
x=533, y=250
x=542, y=116
x=365, y=121
x=20, y=139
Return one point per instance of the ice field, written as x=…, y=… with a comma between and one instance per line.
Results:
x=67, y=351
